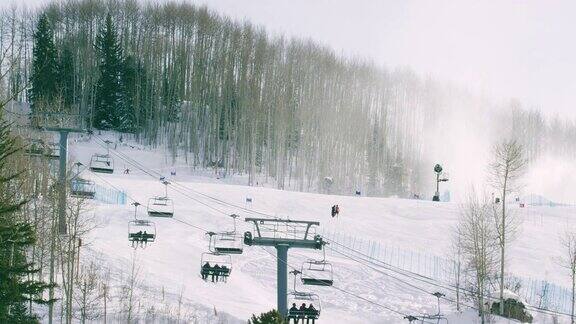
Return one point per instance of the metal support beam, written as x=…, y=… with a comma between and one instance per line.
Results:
x=62, y=228
x=282, y=278
x=437, y=194
x=315, y=244
x=282, y=245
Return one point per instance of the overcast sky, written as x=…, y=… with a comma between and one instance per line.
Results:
x=504, y=49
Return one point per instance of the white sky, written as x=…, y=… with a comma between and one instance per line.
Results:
x=506, y=48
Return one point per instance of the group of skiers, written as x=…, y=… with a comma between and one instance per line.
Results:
x=308, y=313
x=214, y=272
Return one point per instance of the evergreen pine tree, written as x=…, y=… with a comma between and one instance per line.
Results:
x=145, y=92
x=271, y=317
x=130, y=94
x=66, y=76
x=44, y=74
x=16, y=236
x=108, y=104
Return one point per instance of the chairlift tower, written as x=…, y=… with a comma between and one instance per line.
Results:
x=64, y=124
x=283, y=234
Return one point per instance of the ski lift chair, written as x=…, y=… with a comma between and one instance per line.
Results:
x=160, y=207
x=82, y=188
x=141, y=232
x=53, y=151
x=229, y=243
x=317, y=273
x=215, y=266
x=102, y=163
x=299, y=298
x=36, y=148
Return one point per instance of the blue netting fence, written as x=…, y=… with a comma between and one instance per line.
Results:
x=536, y=292
x=109, y=196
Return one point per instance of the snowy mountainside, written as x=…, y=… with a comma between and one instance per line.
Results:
x=363, y=292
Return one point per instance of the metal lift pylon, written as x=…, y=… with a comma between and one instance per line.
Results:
x=64, y=124
x=268, y=232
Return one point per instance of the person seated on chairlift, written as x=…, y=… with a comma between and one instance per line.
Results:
x=292, y=313
x=215, y=272
x=311, y=313
x=137, y=235
x=145, y=237
x=205, y=270
x=224, y=270
x=311, y=310
x=302, y=311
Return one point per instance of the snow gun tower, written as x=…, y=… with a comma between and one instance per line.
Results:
x=63, y=123
x=438, y=171
x=283, y=234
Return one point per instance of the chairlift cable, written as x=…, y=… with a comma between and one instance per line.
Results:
x=222, y=202
x=134, y=200
x=450, y=287
x=150, y=172
x=143, y=169
x=347, y=292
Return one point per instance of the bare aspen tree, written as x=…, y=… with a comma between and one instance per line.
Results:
x=128, y=289
x=88, y=295
x=479, y=246
x=105, y=294
x=507, y=166
x=456, y=250
x=568, y=261
x=230, y=97
x=79, y=222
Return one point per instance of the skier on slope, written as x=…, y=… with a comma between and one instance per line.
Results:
x=335, y=210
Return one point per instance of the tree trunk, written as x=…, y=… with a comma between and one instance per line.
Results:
x=503, y=244
x=52, y=256
x=573, y=294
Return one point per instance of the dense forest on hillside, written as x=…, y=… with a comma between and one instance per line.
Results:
x=226, y=95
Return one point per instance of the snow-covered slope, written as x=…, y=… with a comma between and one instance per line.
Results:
x=363, y=293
